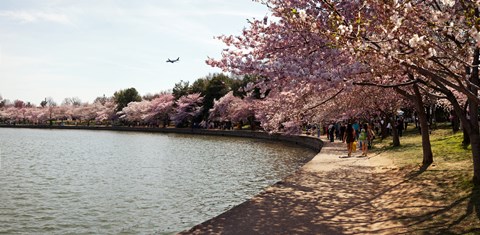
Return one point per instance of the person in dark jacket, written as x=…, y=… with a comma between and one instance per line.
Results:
x=349, y=137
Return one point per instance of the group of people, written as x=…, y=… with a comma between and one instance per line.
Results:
x=352, y=133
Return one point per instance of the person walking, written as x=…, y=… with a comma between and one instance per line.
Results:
x=331, y=132
x=389, y=129
x=356, y=128
x=400, y=127
x=349, y=137
x=362, y=139
x=342, y=131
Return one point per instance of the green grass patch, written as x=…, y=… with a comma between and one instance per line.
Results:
x=446, y=182
x=446, y=147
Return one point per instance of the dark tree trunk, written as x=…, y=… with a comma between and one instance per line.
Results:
x=422, y=119
x=474, y=133
x=475, y=141
x=471, y=135
x=466, y=137
x=395, y=136
x=470, y=125
x=455, y=124
x=416, y=98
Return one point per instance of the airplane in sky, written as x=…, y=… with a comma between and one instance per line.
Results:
x=173, y=61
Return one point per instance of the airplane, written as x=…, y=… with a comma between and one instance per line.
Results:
x=173, y=61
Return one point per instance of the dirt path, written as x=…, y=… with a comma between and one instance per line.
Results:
x=332, y=194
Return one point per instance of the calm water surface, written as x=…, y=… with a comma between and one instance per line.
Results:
x=105, y=182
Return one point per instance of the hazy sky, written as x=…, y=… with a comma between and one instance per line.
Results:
x=87, y=48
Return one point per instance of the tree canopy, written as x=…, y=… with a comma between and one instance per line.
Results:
x=123, y=97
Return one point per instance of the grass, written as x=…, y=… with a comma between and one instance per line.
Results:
x=446, y=147
x=446, y=182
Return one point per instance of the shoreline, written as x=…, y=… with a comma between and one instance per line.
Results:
x=330, y=194
x=310, y=142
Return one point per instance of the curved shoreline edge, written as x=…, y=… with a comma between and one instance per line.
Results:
x=313, y=143
x=310, y=142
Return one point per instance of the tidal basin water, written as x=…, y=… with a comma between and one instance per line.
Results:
x=106, y=182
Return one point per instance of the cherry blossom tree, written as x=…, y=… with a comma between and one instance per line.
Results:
x=333, y=42
x=188, y=108
x=11, y=114
x=87, y=112
x=161, y=108
x=272, y=119
x=135, y=111
x=221, y=107
x=233, y=109
x=244, y=112
x=435, y=42
x=36, y=115
x=106, y=110
x=149, y=112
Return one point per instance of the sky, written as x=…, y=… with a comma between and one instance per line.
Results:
x=91, y=48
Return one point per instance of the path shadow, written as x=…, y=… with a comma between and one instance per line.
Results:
x=351, y=200
x=337, y=202
x=421, y=170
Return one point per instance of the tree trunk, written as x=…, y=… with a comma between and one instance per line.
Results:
x=470, y=125
x=422, y=118
x=395, y=136
x=465, y=127
x=455, y=124
x=471, y=134
x=416, y=98
x=466, y=137
x=474, y=133
x=475, y=141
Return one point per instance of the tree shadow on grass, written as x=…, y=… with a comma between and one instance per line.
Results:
x=460, y=216
x=473, y=206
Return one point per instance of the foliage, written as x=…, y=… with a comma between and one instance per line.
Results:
x=181, y=89
x=188, y=109
x=231, y=108
x=199, y=86
x=123, y=97
x=216, y=88
x=312, y=48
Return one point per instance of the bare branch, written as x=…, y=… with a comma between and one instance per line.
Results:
x=386, y=86
x=325, y=101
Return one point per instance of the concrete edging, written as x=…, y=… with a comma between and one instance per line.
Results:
x=306, y=141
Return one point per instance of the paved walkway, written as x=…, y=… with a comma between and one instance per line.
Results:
x=332, y=194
